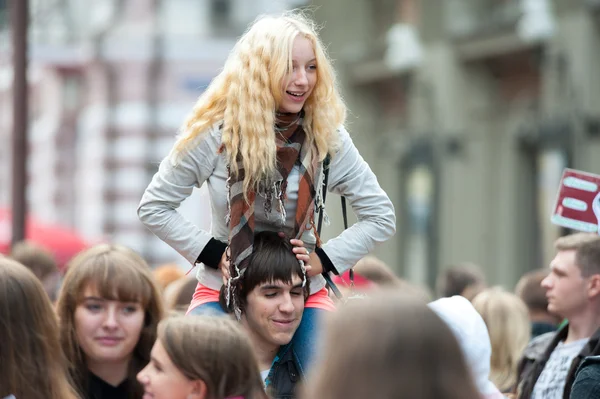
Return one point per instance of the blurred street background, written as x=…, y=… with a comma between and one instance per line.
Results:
x=467, y=110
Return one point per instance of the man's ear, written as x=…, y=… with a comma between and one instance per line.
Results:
x=594, y=286
x=198, y=390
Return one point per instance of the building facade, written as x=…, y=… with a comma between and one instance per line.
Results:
x=468, y=111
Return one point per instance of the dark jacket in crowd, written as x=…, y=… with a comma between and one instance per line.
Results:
x=539, y=328
x=537, y=354
x=285, y=374
x=587, y=379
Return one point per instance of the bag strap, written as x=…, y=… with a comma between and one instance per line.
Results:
x=325, y=275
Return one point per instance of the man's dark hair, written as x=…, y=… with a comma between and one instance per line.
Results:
x=530, y=290
x=271, y=260
x=36, y=258
x=455, y=279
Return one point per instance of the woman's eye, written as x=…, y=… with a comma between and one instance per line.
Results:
x=313, y=67
x=271, y=295
x=130, y=309
x=296, y=293
x=93, y=307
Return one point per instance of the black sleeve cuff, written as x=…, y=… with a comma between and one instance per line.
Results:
x=212, y=253
x=326, y=262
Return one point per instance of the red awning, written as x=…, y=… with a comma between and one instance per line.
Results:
x=63, y=242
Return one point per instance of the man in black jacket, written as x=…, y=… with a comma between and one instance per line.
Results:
x=548, y=367
x=270, y=297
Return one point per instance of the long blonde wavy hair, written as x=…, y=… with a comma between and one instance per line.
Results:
x=247, y=93
x=507, y=320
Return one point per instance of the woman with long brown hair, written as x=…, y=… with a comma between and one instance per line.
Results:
x=32, y=363
x=109, y=309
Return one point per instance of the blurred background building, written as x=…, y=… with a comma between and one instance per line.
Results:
x=467, y=111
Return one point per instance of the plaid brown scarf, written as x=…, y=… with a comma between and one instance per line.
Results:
x=241, y=213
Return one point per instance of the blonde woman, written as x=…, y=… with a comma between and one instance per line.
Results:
x=32, y=363
x=258, y=137
x=109, y=309
x=507, y=321
x=201, y=357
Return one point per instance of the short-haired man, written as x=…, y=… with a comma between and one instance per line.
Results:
x=41, y=262
x=269, y=300
x=530, y=290
x=464, y=279
x=548, y=367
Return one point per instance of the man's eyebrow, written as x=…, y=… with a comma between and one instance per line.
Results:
x=271, y=287
x=278, y=287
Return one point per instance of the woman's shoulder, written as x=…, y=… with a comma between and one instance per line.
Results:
x=203, y=144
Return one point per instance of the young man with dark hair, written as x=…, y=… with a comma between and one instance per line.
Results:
x=268, y=298
x=549, y=364
x=530, y=290
x=464, y=279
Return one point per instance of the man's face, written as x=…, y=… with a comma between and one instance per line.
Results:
x=273, y=312
x=566, y=288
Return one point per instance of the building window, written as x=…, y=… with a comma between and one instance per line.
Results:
x=221, y=16
x=419, y=209
x=3, y=15
x=469, y=18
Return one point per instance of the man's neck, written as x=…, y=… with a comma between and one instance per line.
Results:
x=583, y=325
x=265, y=351
x=111, y=373
x=537, y=316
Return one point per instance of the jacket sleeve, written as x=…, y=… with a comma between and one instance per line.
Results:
x=351, y=176
x=171, y=185
x=586, y=381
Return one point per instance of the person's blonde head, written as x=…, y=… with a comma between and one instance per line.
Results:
x=114, y=272
x=245, y=96
x=389, y=346
x=31, y=359
x=507, y=320
x=587, y=251
x=214, y=350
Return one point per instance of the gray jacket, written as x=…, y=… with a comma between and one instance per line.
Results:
x=349, y=176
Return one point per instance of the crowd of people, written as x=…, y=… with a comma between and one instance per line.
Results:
x=259, y=320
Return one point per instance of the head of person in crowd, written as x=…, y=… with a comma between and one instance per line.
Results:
x=268, y=299
x=202, y=357
x=465, y=279
x=507, y=321
x=109, y=309
x=279, y=65
x=573, y=284
x=530, y=290
x=369, y=273
x=389, y=345
x=179, y=293
x=377, y=271
x=472, y=335
x=167, y=274
x=41, y=262
x=31, y=358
